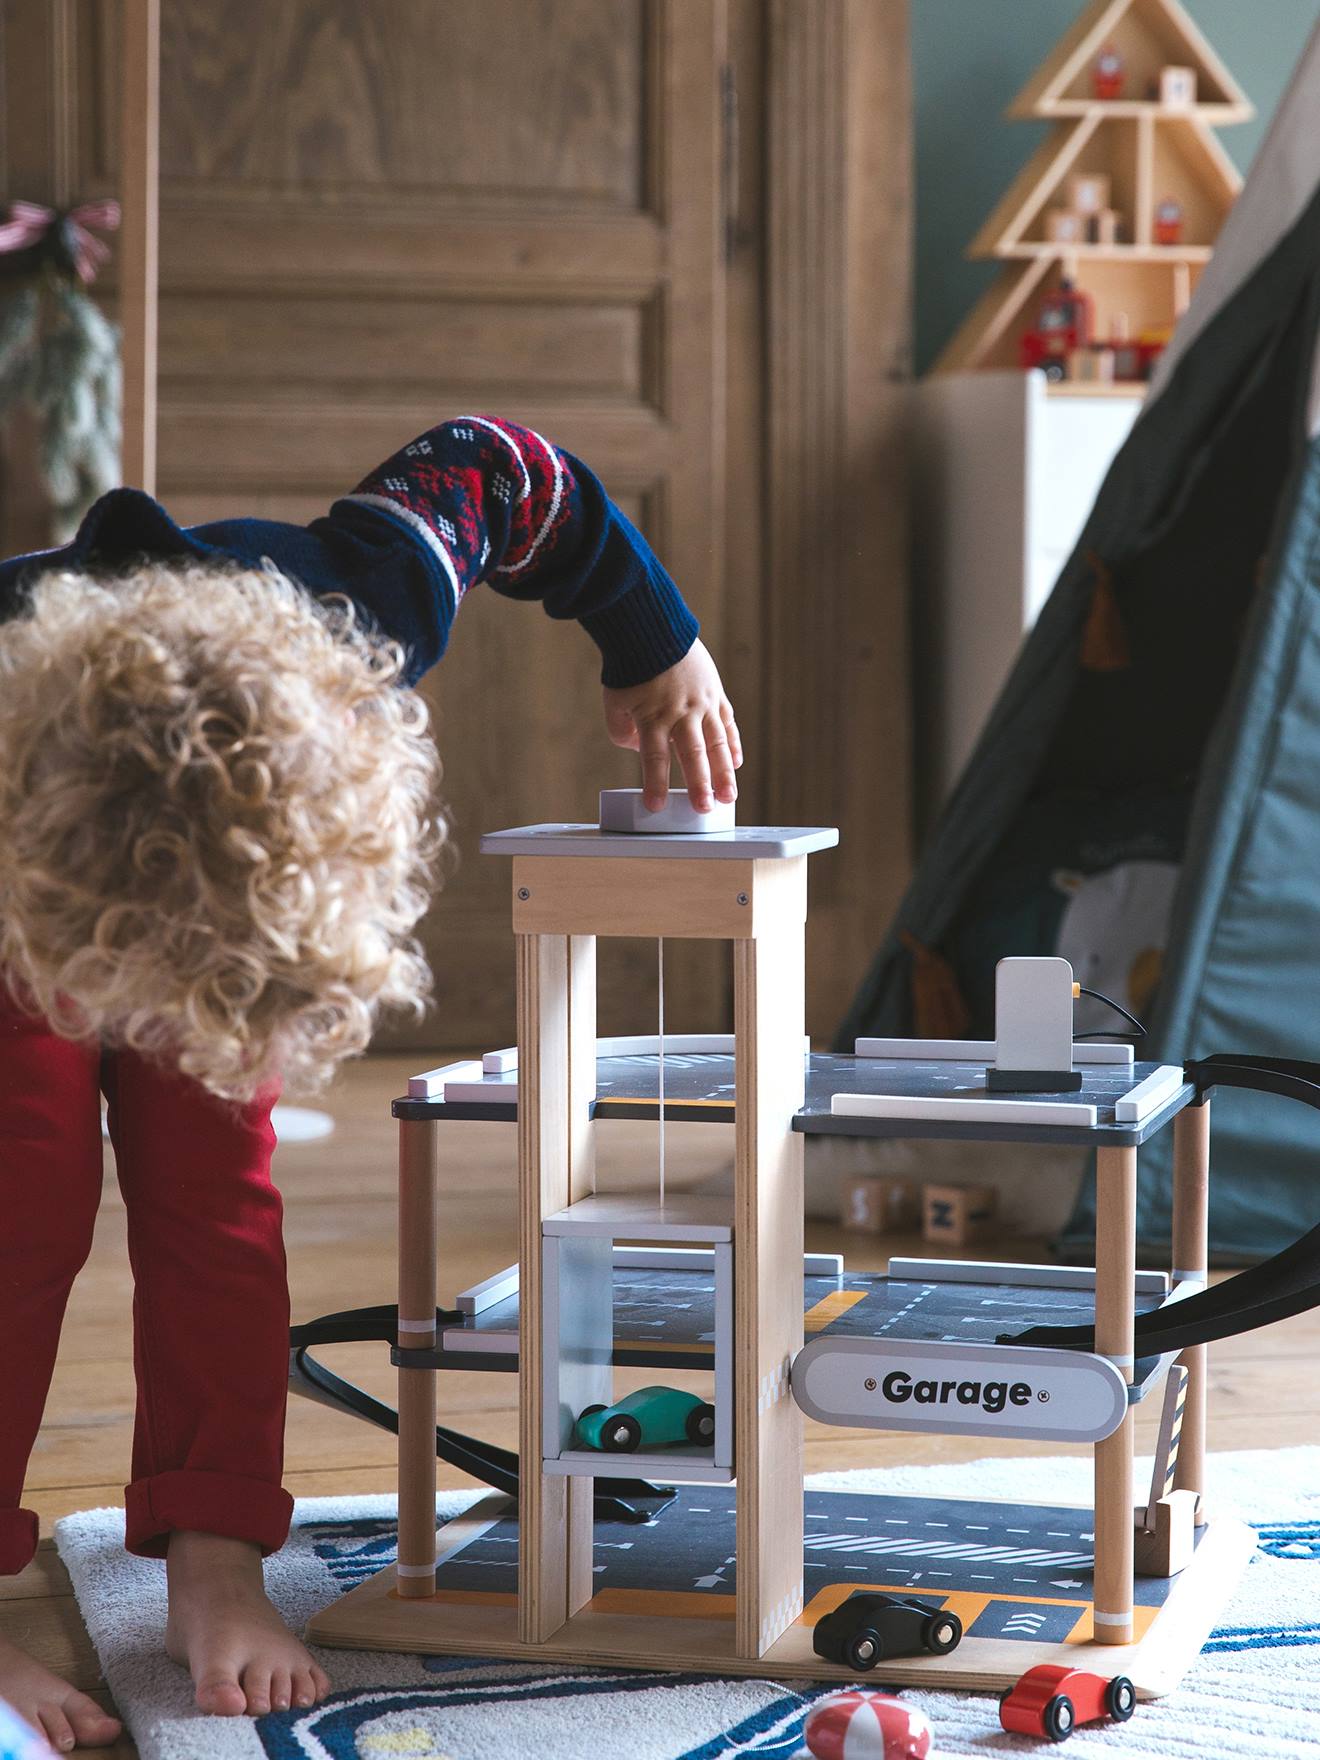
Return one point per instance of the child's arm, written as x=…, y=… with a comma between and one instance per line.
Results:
x=485, y=500
x=471, y=500
x=686, y=709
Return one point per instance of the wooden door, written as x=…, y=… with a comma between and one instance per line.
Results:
x=380, y=212
x=376, y=213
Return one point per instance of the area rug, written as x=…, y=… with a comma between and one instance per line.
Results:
x=1255, y=1693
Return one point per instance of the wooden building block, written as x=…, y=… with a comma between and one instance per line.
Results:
x=1065, y=226
x=1087, y=191
x=1178, y=87
x=1164, y=1549
x=957, y=1215
x=1104, y=226
x=879, y=1204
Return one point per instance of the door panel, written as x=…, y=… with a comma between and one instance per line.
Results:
x=377, y=213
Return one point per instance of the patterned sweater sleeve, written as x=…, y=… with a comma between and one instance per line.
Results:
x=484, y=500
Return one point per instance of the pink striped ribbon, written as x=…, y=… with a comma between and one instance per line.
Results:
x=29, y=222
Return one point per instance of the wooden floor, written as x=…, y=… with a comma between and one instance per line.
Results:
x=340, y=1228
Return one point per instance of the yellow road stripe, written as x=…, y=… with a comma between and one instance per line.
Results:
x=830, y=1307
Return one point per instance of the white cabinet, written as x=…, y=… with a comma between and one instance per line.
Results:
x=1006, y=470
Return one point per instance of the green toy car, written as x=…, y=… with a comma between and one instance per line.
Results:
x=653, y=1417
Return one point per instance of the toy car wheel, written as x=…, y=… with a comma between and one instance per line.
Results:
x=943, y=1633
x=1054, y=372
x=1058, y=1718
x=862, y=1651
x=700, y=1425
x=621, y=1435
x=1120, y=1698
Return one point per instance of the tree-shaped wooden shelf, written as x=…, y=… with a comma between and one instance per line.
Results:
x=1122, y=201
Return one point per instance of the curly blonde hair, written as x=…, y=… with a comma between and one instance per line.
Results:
x=218, y=822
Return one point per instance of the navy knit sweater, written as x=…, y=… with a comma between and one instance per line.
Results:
x=471, y=500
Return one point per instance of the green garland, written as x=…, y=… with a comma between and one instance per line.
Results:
x=59, y=355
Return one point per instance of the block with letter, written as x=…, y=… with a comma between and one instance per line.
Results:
x=1065, y=226
x=1178, y=87
x=957, y=1215
x=1087, y=192
x=879, y=1204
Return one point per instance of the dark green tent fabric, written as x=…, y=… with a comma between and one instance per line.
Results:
x=1209, y=524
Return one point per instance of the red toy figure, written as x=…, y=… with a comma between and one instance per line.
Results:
x=1107, y=74
x=866, y=1726
x=1063, y=324
x=1168, y=221
x=1051, y=1701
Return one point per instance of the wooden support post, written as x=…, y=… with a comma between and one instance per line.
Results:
x=417, y=1387
x=1115, y=1282
x=1191, y=1234
x=556, y=1077
x=581, y=1184
x=769, y=1014
x=1143, y=194
x=139, y=186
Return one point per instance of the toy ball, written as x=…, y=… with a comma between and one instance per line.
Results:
x=866, y=1726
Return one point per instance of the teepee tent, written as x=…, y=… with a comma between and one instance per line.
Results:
x=1145, y=797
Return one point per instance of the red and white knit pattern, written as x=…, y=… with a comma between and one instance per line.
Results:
x=488, y=498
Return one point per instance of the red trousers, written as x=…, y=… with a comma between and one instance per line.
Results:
x=210, y=1304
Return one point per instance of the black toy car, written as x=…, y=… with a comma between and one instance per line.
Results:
x=869, y=1628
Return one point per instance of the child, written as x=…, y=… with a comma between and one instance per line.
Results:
x=216, y=836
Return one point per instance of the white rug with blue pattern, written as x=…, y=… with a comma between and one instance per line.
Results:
x=1255, y=1693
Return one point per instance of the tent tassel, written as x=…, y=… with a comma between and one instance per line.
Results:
x=1104, y=641
x=938, y=1008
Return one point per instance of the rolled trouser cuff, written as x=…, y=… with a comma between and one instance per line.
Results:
x=19, y=1532
x=226, y=1504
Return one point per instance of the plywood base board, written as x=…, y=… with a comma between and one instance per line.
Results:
x=641, y=1628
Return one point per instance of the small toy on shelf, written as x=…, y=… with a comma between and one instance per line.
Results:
x=1168, y=226
x=1087, y=192
x=658, y=1417
x=1051, y=1701
x=1104, y=227
x=1092, y=366
x=869, y=1628
x=1065, y=226
x=866, y=1726
x=1108, y=73
x=879, y=1204
x=955, y=1216
x=1177, y=88
x=1063, y=323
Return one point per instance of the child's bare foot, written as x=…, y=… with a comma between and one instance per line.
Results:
x=240, y=1653
x=68, y=1718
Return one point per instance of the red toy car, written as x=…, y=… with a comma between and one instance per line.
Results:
x=1051, y=1701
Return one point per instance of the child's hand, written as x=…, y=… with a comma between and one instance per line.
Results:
x=686, y=709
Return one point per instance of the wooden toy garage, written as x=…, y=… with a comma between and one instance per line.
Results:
x=729, y=1564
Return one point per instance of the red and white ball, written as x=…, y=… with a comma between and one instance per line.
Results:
x=866, y=1726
